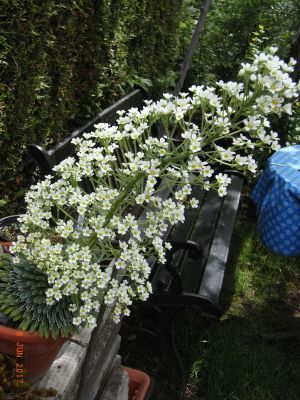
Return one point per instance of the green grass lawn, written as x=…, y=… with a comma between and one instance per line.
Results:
x=253, y=352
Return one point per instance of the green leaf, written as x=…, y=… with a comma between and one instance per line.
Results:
x=24, y=324
x=7, y=310
x=15, y=314
x=54, y=332
x=33, y=327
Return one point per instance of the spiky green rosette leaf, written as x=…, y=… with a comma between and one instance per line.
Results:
x=23, y=299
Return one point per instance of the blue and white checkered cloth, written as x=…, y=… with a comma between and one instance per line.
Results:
x=277, y=195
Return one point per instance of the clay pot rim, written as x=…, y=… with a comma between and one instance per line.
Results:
x=140, y=378
x=10, y=335
x=2, y=243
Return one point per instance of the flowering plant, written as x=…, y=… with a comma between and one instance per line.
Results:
x=83, y=245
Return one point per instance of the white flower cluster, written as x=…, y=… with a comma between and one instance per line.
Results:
x=84, y=230
x=269, y=78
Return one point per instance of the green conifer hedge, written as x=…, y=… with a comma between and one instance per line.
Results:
x=63, y=61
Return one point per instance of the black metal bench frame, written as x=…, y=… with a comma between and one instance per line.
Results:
x=194, y=273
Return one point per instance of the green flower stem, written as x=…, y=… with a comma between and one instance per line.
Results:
x=122, y=153
x=218, y=137
x=246, y=104
x=219, y=161
x=122, y=196
x=65, y=212
x=174, y=159
x=165, y=122
x=117, y=204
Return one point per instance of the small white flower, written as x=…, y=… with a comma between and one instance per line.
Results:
x=207, y=171
x=77, y=321
x=194, y=203
x=120, y=264
x=222, y=191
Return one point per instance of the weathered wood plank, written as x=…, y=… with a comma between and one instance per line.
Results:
x=214, y=273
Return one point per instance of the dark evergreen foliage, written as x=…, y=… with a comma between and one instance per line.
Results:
x=63, y=61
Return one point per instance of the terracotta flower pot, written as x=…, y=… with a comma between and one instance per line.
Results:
x=33, y=352
x=139, y=383
x=5, y=246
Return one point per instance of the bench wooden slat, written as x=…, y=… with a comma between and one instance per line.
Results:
x=183, y=230
x=180, y=232
x=203, y=233
x=213, y=277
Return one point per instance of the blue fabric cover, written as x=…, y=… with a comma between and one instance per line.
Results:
x=277, y=195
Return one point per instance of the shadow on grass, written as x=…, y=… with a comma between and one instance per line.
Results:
x=254, y=352
x=233, y=361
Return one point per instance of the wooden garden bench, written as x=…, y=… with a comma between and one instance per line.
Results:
x=194, y=273
x=193, y=276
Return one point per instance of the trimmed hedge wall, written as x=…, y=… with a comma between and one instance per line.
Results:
x=63, y=61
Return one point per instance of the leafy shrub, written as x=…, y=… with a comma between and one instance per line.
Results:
x=228, y=31
x=293, y=129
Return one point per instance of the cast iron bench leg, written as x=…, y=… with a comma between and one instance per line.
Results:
x=174, y=362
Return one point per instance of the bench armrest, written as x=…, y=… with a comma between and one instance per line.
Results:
x=193, y=251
